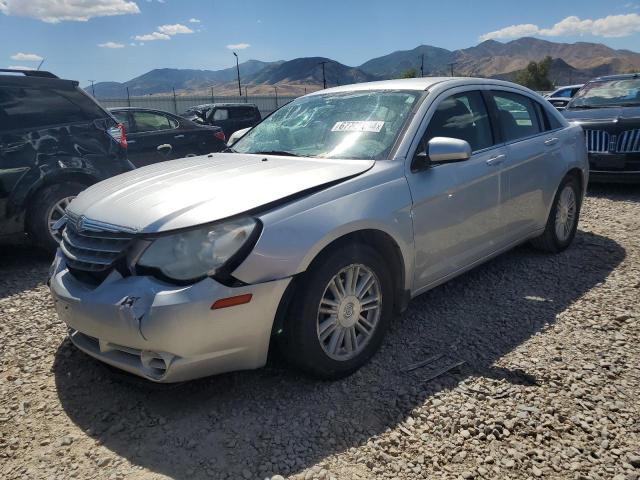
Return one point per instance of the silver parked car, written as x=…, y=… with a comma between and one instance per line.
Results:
x=324, y=221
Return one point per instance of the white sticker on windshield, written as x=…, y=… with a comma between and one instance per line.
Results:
x=358, y=126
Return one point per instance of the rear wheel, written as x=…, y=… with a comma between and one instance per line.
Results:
x=340, y=313
x=563, y=219
x=48, y=207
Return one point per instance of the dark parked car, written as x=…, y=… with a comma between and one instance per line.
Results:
x=229, y=116
x=154, y=136
x=608, y=108
x=55, y=141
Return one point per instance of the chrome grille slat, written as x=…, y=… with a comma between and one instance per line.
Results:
x=629, y=142
x=91, y=249
x=597, y=140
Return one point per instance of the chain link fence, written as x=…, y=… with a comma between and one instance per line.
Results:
x=178, y=104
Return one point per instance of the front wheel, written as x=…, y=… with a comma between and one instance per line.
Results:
x=563, y=219
x=340, y=313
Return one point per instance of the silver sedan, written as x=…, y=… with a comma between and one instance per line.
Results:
x=315, y=228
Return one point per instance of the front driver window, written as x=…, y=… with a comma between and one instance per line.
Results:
x=463, y=116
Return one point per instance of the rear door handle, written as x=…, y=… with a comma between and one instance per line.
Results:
x=497, y=160
x=551, y=141
x=179, y=136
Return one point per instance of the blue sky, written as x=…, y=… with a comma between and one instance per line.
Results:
x=120, y=39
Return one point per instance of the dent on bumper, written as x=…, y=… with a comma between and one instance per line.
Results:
x=164, y=332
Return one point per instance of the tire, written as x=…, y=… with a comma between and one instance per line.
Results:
x=300, y=342
x=551, y=241
x=44, y=203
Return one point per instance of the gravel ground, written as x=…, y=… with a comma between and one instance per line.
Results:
x=548, y=387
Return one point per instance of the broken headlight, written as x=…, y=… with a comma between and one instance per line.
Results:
x=197, y=253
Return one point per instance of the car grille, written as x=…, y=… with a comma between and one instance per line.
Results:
x=600, y=141
x=93, y=246
x=597, y=141
x=629, y=141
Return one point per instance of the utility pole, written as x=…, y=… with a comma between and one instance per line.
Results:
x=451, y=66
x=128, y=97
x=212, y=95
x=246, y=95
x=422, y=65
x=276, y=90
x=238, y=70
x=324, y=78
x=93, y=90
x=175, y=103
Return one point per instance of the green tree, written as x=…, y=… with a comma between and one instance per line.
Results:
x=536, y=75
x=411, y=73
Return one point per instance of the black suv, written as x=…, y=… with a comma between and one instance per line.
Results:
x=229, y=116
x=55, y=141
x=608, y=109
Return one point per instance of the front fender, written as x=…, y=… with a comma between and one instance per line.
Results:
x=294, y=234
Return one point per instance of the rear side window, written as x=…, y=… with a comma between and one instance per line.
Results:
x=151, y=121
x=564, y=93
x=517, y=115
x=23, y=107
x=463, y=116
x=221, y=114
x=549, y=122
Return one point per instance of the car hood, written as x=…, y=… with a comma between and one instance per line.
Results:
x=611, y=114
x=192, y=191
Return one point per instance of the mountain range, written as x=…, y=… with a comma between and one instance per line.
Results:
x=573, y=63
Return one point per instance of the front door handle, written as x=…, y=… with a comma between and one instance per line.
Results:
x=179, y=136
x=551, y=141
x=497, y=160
x=164, y=148
x=129, y=142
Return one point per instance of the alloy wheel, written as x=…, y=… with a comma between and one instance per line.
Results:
x=566, y=213
x=349, y=312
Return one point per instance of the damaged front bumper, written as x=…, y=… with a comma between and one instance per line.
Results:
x=163, y=332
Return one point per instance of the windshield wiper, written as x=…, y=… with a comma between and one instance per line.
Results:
x=276, y=152
x=228, y=150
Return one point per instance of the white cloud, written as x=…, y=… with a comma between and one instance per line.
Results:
x=194, y=20
x=20, y=67
x=26, y=57
x=610, y=26
x=238, y=46
x=111, y=45
x=174, y=29
x=152, y=36
x=55, y=11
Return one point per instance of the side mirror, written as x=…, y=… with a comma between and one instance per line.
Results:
x=442, y=150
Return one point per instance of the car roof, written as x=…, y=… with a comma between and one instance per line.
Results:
x=622, y=76
x=143, y=109
x=417, y=84
x=35, y=78
x=577, y=85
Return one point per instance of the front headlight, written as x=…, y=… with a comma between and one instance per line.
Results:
x=200, y=252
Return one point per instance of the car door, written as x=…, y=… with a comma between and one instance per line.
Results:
x=152, y=137
x=530, y=153
x=456, y=205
